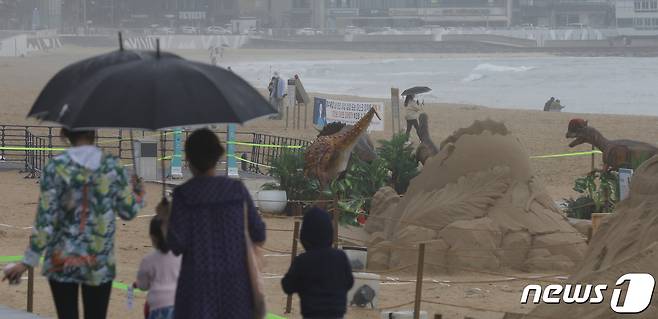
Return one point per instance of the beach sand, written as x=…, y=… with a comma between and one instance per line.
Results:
x=541, y=133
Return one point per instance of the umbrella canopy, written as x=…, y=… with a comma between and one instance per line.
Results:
x=74, y=75
x=163, y=92
x=416, y=90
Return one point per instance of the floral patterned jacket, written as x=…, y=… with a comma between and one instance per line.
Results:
x=75, y=220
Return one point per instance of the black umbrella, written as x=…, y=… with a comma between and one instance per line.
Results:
x=68, y=79
x=416, y=90
x=160, y=93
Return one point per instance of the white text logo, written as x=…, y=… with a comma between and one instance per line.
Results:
x=638, y=294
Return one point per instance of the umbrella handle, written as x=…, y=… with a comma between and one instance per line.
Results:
x=132, y=153
x=162, y=164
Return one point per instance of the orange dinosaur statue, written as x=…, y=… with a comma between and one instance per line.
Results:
x=329, y=155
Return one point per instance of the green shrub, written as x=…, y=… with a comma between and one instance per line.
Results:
x=400, y=160
x=599, y=194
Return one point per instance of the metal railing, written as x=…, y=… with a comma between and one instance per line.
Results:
x=30, y=147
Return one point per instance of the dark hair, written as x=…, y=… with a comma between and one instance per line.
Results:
x=203, y=149
x=75, y=136
x=155, y=230
x=408, y=99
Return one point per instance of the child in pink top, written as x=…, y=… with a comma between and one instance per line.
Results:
x=158, y=273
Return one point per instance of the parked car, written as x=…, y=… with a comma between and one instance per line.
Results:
x=354, y=30
x=165, y=30
x=308, y=31
x=387, y=31
x=217, y=30
x=189, y=30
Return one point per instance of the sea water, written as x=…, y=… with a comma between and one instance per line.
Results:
x=613, y=85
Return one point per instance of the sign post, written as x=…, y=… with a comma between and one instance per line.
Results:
x=395, y=110
x=231, y=163
x=177, y=157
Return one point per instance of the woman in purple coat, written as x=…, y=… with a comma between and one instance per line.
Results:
x=206, y=226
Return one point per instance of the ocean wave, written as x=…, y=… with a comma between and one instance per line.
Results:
x=473, y=77
x=502, y=68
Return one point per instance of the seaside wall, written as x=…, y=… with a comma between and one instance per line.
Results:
x=14, y=46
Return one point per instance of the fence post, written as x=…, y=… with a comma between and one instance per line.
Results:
x=419, y=280
x=30, y=289
x=27, y=156
x=3, y=142
x=593, y=149
x=50, y=142
x=120, y=144
x=295, y=235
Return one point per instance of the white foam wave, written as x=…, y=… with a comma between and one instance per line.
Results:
x=473, y=77
x=502, y=68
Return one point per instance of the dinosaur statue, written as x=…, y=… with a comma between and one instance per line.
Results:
x=327, y=157
x=617, y=153
x=426, y=148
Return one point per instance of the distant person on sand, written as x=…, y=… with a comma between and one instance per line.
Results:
x=213, y=56
x=158, y=274
x=412, y=112
x=207, y=227
x=322, y=275
x=83, y=191
x=547, y=105
x=277, y=94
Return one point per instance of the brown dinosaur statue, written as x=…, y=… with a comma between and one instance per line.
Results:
x=327, y=157
x=617, y=153
x=426, y=148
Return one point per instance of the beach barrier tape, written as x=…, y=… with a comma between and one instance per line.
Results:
x=566, y=155
x=23, y=148
x=250, y=162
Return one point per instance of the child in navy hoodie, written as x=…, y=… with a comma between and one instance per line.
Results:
x=322, y=275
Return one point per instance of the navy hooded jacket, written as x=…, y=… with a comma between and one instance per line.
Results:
x=322, y=275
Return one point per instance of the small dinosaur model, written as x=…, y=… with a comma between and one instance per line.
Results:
x=327, y=157
x=616, y=153
x=426, y=148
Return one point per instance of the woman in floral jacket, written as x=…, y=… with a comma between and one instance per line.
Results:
x=82, y=192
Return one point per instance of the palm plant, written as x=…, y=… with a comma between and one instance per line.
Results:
x=400, y=160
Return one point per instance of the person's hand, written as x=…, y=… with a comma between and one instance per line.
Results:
x=163, y=209
x=14, y=274
x=137, y=185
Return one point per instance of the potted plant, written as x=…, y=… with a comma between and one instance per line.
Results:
x=288, y=170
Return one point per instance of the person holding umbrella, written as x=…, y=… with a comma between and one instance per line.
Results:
x=82, y=193
x=413, y=109
x=412, y=113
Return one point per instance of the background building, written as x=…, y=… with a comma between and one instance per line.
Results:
x=637, y=14
x=565, y=13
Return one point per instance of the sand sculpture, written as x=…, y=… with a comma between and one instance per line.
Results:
x=616, y=154
x=327, y=157
x=478, y=206
x=626, y=242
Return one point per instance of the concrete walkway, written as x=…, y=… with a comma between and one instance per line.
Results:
x=6, y=313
